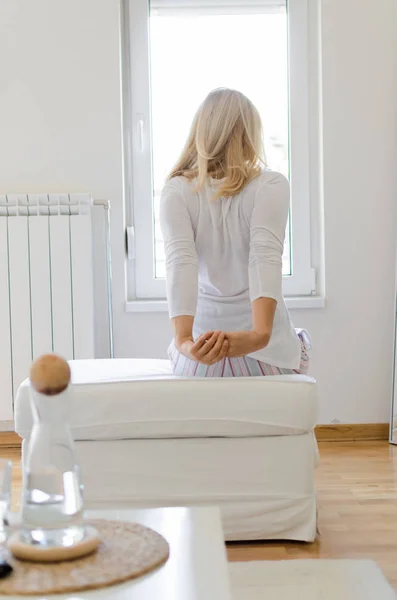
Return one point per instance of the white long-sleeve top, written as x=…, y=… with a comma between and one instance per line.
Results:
x=223, y=254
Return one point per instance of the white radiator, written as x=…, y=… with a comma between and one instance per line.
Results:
x=46, y=284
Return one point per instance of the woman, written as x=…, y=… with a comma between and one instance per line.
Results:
x=223, y=217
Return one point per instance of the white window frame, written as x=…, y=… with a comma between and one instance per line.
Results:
x=141, y=282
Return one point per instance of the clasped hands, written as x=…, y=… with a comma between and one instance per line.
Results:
x=213, y=346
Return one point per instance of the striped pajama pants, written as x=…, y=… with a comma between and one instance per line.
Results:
x=236, y=367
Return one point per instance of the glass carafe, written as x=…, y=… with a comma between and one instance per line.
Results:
x=52, y=498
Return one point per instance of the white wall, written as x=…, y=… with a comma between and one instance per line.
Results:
x=60, y=130
x=60, y=121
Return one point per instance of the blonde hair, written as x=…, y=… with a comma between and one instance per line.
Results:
x=224, y=143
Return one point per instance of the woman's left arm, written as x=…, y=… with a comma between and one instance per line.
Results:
x=180, y=259
x=267, y=234
x=182, y=279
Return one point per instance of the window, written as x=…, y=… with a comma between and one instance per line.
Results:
x=176, y=52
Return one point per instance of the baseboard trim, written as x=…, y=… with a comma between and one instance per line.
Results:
x=353, y=432
x=324, y=433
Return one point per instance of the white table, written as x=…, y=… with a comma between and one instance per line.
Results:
x=196, y=570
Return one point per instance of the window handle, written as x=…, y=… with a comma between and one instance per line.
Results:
x=141, y=134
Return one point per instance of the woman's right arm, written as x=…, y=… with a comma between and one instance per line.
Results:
x=242, y=343
x=267, y=234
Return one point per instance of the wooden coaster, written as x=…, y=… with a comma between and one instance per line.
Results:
x=23, y=551
x=127, y=550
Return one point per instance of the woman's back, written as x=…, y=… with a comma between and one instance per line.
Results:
x=235, y=244
x=223, y=219
x=222, y=236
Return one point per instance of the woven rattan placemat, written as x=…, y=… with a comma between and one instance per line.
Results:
x=128, y=550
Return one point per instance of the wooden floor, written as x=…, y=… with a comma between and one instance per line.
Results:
x=357, y=494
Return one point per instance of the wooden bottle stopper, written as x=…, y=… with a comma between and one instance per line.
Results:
x=50, y=375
